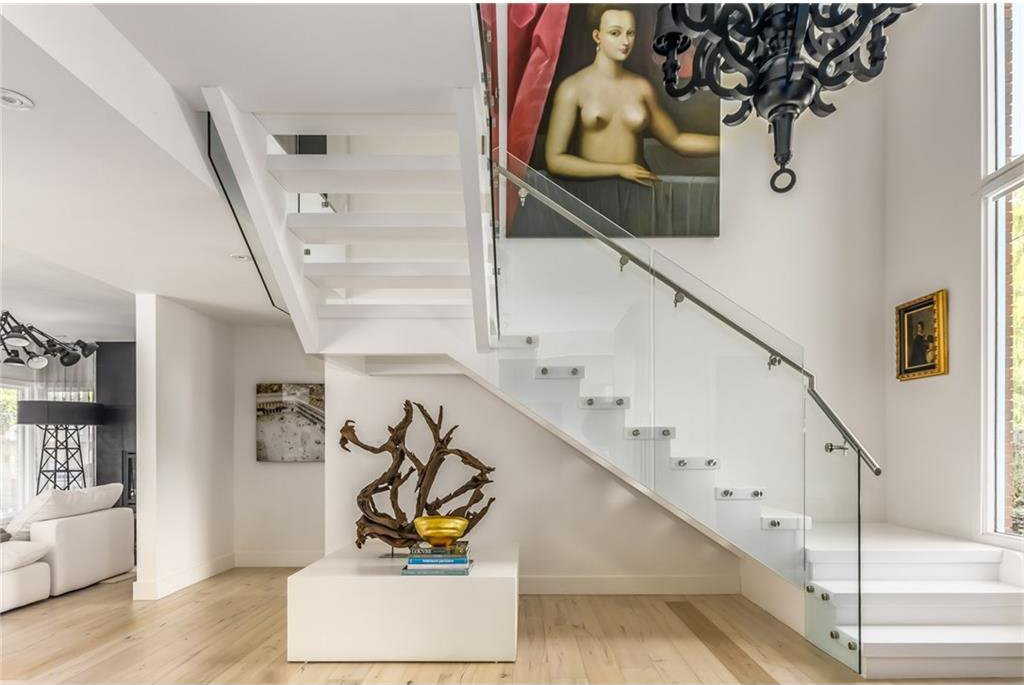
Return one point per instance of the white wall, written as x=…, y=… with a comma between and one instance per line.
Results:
x=579, y=529
x=934, y=239
x=185, y=473
x=279, y=507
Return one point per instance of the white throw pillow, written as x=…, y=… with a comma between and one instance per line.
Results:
x=58, y=504
x=17, y=553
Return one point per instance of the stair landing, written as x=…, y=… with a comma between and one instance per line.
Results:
x=837, y=541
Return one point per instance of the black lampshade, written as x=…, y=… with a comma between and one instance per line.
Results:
x=12, y=358
x=87, y=348
x=50, y=413
x=70, y=358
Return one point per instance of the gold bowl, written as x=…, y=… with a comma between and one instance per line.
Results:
x=440, y=531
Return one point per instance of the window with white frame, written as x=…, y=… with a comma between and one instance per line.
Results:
x=21, y=445
x=1004, y=198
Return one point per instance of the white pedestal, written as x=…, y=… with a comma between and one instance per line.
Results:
x=345, y=609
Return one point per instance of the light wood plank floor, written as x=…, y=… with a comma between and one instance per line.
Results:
x=231, y=629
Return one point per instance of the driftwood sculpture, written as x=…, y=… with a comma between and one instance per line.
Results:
x=396, y=528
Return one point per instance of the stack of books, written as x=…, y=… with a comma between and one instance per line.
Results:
x=425, y=560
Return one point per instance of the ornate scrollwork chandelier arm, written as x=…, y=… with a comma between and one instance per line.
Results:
x=832, y=17
x=740, y=115
x=670, y=69
x=819, y=107
x=734, y=18
x=829, y=72
x=876, y=56
x=737, y=62
x=689, y=25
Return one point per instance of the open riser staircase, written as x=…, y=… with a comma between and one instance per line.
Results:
x=382, y=240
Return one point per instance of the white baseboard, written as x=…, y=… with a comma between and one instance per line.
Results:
x=629, y=585
x=172, y=582
x=278, y=558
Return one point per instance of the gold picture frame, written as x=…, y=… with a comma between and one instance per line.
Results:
x=922, y=343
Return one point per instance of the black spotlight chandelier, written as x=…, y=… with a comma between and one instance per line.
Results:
x=28, y=346
x=776, y=59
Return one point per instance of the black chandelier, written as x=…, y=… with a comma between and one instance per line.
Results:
x=28, y=346
x=776, y=59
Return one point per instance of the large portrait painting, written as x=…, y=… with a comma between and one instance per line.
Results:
x=290, y=422
x=597, y=126
x=921, y=344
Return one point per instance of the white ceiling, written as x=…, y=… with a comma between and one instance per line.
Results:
x=64, y=303
x=85, y=190
x=303, y=58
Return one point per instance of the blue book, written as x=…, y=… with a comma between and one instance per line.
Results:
x=436, y=560
x=463, y=571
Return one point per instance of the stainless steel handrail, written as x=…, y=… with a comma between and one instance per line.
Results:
x=682, y=292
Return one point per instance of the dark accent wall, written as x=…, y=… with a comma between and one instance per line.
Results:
x=115, y=390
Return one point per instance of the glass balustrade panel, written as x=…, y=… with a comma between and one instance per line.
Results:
x=734, y=405
x=575, y=344
x=833, y=548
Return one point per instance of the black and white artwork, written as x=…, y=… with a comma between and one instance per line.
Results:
x=290, y=422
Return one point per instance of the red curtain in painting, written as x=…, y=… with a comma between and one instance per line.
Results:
x=534, y=42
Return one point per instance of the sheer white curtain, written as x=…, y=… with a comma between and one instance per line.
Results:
x=21, y=445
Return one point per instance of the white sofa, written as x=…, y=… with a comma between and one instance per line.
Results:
x=24, y=585
x=86, y=549
x=81, y=550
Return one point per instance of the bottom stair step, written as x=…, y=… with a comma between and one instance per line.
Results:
x=941, y=651
x=940, y=640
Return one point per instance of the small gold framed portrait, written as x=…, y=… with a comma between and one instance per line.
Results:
x=921, y=337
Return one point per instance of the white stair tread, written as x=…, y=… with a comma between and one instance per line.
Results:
x=940, y=641
x=443, y=228
x=883, y=543
x=388, y=274
x=938, y=634
x=357, y=124
x=396, y=310
x=789, y=520
x=364, y=162
x=378, y=220
x=387, y=174
x=938, y=591
x=516, y=342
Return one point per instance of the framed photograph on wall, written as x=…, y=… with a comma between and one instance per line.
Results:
x=290, y=422
x=921, y=337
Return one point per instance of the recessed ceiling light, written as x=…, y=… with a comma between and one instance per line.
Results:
x=12, y=99
x=239, y=256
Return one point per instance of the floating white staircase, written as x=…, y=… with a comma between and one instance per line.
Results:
x=381, y=216
x=930, y=606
